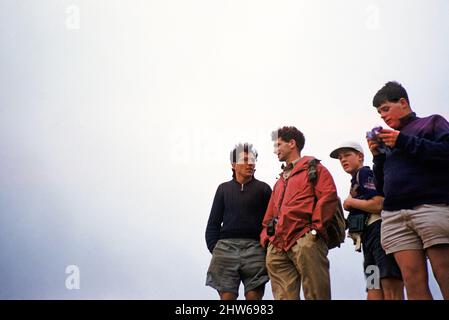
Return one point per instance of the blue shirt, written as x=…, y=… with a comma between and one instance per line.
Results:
x=363, y=187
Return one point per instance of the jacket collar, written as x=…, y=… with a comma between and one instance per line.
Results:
x=300, y=165
x=407, y=119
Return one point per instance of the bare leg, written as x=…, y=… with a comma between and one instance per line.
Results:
x=393, y=289
x=255, y=294
x=439, y=260
x=375, y=294
x=227, y=296
x=414, y=272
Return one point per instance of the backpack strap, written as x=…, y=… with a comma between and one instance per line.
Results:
x=311, y=171
x=312, y=177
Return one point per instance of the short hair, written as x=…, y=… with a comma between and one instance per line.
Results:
x=289, y=133
x=392, y=91
x=242, y=147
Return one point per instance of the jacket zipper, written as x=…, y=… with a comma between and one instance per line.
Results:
x=285, y=188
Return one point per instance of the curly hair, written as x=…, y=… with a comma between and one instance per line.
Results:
x=289, y=133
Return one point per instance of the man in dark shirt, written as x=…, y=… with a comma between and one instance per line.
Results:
x=413, y=174
x=233, y=230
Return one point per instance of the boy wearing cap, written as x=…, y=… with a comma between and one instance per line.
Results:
x=364, y=205
x=413, y=174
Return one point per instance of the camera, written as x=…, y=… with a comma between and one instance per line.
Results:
x=373, y=135
x=271, y=226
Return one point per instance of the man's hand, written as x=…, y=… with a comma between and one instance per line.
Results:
x=373, y=145
x=347, y=203
x=389, y=137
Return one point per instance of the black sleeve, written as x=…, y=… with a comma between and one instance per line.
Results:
x=378, y=170
x=267, y=196
x=215, y=220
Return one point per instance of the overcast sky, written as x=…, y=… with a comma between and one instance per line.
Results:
x=117, y=117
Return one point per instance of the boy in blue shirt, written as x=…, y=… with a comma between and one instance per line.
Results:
x=364, y=205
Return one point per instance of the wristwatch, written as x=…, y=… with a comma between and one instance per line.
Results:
x=313, y=232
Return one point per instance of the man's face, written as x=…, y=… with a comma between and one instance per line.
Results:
x=282, y=149
x=350, y=160
x=245, y=165
x=392, y=112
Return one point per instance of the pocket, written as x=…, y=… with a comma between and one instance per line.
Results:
x=271, y=248
x=218, y=245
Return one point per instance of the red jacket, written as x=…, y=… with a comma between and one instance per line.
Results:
x=293, y=202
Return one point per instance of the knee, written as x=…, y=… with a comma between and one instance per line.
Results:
x=254, y=294
x=413, y=274
x=228, y=296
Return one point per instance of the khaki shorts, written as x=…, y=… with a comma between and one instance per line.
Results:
x=415, y=229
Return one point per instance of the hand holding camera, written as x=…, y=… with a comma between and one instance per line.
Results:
x=375, y=142
x=388, y=137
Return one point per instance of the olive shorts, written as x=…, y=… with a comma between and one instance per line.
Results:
x=234, y=261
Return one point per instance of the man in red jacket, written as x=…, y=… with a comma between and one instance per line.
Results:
x=293, y=226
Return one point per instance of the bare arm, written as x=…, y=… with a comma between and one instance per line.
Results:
x=373, y=205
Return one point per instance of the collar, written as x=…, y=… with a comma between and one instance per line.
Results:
x=290, y=166
x=247, y=182
x=405, y=120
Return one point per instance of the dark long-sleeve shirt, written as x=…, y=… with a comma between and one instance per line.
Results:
x=237, y=211
x=416, y=170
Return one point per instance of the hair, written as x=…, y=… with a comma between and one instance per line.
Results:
x=242, y=147
x=289, y=133
x=392, y=92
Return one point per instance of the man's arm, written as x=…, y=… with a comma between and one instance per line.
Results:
x=215, y=220
x=269, y=213
x=326, y=195
x=373, y=205
x=378, y=171
x=423, y=149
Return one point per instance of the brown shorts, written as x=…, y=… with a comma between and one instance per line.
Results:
x=415, y=229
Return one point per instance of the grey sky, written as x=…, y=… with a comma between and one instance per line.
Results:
x=116, y=119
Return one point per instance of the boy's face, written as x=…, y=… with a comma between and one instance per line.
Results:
x=350, y=160
x=392, y=112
